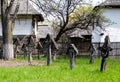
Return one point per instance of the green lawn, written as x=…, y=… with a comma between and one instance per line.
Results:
x=59, y=71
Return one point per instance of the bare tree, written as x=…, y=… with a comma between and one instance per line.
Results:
x=7, y=27
x=60, y=11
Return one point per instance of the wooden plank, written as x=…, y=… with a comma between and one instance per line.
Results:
x=39, y=45
x=72, y=50
x=74, y=47
x=52, y=41
x=16, y=41
x=31, y=41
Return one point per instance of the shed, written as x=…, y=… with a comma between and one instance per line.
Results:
x=81, y=38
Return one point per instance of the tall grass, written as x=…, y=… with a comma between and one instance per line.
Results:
x=60, y=71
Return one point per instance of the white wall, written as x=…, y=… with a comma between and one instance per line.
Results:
x=112, y=30
x=114, y=15
x=96, y=35
x=22, y=27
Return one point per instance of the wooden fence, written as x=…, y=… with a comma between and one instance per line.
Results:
x=114, y=45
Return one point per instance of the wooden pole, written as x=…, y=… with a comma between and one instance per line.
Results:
x=30, y=58
x=49, y=61
x=25, y=54
x=72, y=59
x=39, y=54
x=16, y=51
x=54, y=56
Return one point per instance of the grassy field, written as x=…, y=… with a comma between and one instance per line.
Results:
x=59, y=71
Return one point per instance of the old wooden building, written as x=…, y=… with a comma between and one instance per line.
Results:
x=43, y=30
x=27, y=19
x=82, y=40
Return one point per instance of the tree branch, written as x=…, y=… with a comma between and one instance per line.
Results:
x=15, y=13
x=9, y=8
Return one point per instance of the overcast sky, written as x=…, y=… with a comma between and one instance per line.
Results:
x=95, y=2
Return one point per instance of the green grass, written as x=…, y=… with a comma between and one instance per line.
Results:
x=59, y=71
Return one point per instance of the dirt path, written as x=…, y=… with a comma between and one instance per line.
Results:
x=20, y=63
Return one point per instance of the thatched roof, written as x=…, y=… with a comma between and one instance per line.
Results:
x=25, y=8
x=80, y=33
x=43, y=30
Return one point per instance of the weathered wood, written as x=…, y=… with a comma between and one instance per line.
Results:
x=51, y=44
x=16, y=50
x=72, y=50
x=39, y=56
x=24, y=49
x=25, y=54
x=54, y=55
x=72, y=60
x=92, y=53
x=1, y=53
x=30, y=58
x=51, y=39
x=39, y=46
x=16, y=42
x=105, y=52
x=91, y=59
x=103, y=64
x=49, y=59
x=30, y=45
x=75, y=48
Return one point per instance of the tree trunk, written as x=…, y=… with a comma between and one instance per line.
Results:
x=60, y=33
x=8, y=40
x=58, y=36
x=8, y=51
x=7, y=30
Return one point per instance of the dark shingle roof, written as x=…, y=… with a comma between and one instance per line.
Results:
x=112, y=3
